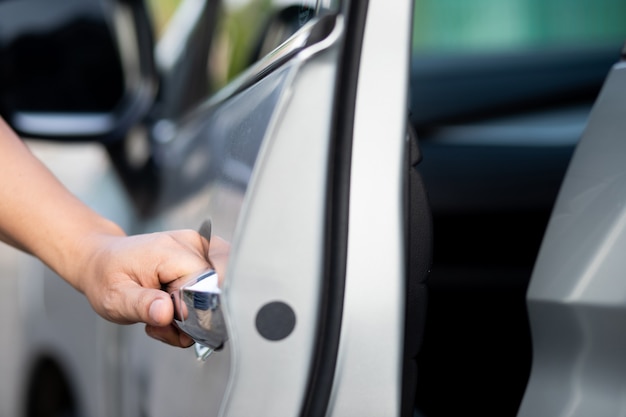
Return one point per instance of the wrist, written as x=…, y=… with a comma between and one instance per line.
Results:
x=84, y=252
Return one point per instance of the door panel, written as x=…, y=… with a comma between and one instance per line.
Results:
x=372, y=330
x=268, y=159
x=576, y=296
x=253, y=158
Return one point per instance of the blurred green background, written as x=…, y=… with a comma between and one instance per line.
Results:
x=516, y=24
x=161, y=11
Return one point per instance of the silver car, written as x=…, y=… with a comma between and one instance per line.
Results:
x=290, y=129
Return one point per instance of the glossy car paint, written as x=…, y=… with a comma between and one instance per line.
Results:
x=276, y=119
x=271, y=137
x=577, y=292
x=118, y=371
x=273, y=216
x=373, y=314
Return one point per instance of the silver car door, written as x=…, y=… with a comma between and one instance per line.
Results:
x=577, y=292
x=298, y=163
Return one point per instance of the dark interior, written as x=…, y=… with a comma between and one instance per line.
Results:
x=496, y=133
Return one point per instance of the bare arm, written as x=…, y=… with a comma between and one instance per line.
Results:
x=120, y=275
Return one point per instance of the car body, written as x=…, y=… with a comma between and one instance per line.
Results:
x=303, y=152
x=271, y=120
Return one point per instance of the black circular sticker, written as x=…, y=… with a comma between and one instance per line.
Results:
x=275, y=321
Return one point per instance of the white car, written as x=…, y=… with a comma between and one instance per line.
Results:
x=292, y=126
x=280, y=158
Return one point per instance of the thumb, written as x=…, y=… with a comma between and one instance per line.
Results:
x=160, y=311
x=146, y=305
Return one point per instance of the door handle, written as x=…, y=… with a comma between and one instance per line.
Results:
x=198, y=307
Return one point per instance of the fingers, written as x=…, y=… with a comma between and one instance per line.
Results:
x=128, y=302
x=169, y=334
x=155, y=308
x=125, y=279
x=219, y=251
x=160, y=312
x=182, y=252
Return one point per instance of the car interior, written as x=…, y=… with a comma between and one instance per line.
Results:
x=497, y=126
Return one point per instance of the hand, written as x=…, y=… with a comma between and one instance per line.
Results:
x=121, y=276
x=122, y=280
x=218, y=257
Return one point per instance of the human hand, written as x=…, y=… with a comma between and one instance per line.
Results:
x=218, y=258
x=121, y=276
x=125, y=275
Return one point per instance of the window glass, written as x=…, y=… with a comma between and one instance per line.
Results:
x=247, y=30
x=452, y=25
x=161, y=11
x=243, y=30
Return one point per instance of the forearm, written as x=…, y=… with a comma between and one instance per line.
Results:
x=38, y=215
x=120, y=276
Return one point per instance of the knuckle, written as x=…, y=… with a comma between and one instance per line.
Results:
x=109, y=305
x=114, y=306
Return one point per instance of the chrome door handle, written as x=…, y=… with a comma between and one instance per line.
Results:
x=198, y=307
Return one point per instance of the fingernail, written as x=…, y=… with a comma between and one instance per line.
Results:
x=154, y=311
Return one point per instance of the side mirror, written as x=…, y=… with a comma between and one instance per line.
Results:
x=75, y=69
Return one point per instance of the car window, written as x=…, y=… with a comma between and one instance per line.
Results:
x=247, y=30
x=213, y=42
x=243, y=33
x=161, y=12
x=450, y=25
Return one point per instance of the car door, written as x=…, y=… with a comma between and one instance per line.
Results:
x=576, y=294
x=296, y=155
